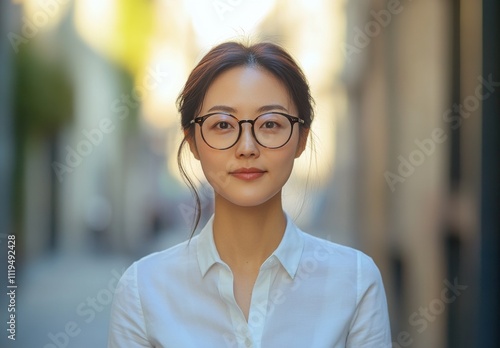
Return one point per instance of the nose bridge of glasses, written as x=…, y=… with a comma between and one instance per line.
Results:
x=246, y=121
x=249, y=133
x=242, y=129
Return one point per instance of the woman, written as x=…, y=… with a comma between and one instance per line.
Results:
x=251, y=278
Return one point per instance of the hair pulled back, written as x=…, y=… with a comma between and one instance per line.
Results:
x=268, y=56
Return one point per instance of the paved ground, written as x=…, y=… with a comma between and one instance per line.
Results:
x=64, y=300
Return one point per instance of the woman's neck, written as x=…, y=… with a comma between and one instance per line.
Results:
x=246, y=236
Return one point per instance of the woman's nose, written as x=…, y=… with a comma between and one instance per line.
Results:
x=247, y=145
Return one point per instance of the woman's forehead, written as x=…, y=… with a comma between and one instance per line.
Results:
x=249, y=88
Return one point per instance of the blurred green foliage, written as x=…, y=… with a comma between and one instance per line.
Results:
x=43, y=94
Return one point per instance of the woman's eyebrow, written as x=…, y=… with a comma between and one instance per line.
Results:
x=271, y=107
x=222, y=108
x=262, y=109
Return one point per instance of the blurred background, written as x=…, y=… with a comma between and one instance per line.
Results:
x=405, y=162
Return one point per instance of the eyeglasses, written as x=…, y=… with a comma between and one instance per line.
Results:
x=271, y=130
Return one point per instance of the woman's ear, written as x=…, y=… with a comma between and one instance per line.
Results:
x=192, y=144
x=302, y=143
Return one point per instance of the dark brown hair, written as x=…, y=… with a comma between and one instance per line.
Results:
x=223, y=57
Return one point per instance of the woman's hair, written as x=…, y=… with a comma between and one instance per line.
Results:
x=267, y=56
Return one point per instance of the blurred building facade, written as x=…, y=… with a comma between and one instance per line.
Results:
x=417, y=81
x=398, y=86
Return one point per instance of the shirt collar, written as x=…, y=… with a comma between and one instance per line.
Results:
x=205, y=248
x=288, y=252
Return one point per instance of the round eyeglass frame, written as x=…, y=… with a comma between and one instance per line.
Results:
x=200, y=119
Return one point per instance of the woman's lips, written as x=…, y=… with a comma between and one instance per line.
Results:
x=247, y=174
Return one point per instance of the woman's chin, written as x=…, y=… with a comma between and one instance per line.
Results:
x=249, y=200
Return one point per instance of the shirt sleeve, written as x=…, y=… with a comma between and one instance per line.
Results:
x=127, y=327
x=370, y=326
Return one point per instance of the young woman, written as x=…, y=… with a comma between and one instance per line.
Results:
x=251, y=278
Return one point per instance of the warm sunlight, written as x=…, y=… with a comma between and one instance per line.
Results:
x=174, y=35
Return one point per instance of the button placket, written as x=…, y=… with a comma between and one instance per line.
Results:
x=248, y=334
x=240, y=326
x=260, y=299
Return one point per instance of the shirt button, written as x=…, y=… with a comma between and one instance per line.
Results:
x=248, y=342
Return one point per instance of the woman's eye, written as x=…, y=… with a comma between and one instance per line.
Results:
x=270, y=124
x=223, y=125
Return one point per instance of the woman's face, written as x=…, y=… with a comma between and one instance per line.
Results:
x=247, y=174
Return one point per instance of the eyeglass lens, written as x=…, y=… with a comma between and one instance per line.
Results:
x=221, y=131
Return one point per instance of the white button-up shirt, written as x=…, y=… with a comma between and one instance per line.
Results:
x=309, y=293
